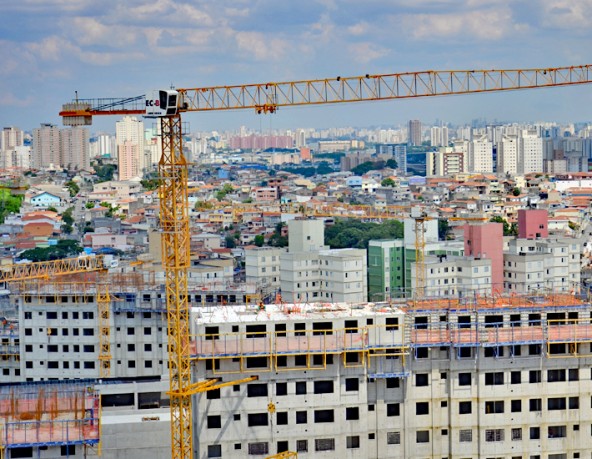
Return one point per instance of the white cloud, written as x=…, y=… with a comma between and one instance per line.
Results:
x=260, y=46
x=491, y=24
x=366, y=52
x=567, y=14
x=360, y=28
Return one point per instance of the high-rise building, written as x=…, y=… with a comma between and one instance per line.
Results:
x=439, y=136
x=74, y=148
x=531, y=152
x=129, y=134
x=480, y=155
x=414, y=133
x=445, y=161
x=46, y=146
x=11, y=137
x=507, y=155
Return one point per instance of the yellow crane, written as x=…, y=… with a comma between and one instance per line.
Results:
x=168, y=105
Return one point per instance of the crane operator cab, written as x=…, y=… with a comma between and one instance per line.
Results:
x=161, y=103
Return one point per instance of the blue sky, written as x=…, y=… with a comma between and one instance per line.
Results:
x=112, y=48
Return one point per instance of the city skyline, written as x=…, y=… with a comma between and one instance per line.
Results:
x=49, y=50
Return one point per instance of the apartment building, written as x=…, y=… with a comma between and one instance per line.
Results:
x=262, y=266
x=445, y=378
x=536, y=265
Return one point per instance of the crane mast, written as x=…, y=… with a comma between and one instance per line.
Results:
x=267, y=98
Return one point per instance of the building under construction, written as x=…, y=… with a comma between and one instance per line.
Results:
x=483, y=377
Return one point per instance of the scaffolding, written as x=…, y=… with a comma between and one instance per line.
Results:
x=38, y=415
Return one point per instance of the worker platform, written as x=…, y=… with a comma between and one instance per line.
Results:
x=36, y=415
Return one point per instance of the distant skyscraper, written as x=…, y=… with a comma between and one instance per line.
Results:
x=507, y=155
x=480, y=155
x=439, y=136
x=414, y=133
x=531, y=152
x=74, y=148
x=46, y=146
x=129, y=135
x=11, y=137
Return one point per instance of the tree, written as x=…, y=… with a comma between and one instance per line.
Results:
x=259, y=240
x=111, y=209
x=226, y=189
x=356, y=234
x=516, y=191
x=63, y=249
x=9, y=203
x=368, y=166
x=509, y=230
x=276, y=239
x=67, y=220
x=105, y=172
x=230, y=242
x=89, y=205
x=388, y=182
x=73, y=188
x=391, y=163
x=443, y=229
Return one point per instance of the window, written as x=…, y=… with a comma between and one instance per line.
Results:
x=147, y=330
x=300, y=387
x=516, y=406
x=89, y=365
x=257, y=390
x=213, y=394
x=301, y=446
x=421, y=379
x=323, y=387
x=494, y=379
x=259, y=448
x=301, y=417
x=214, y=450
x=88, y=315
x=282, y=446
x=464, y=407
x=393, y=438
x=258, y=419
x=393, y=409
x=88, y=331
x=556, y=432
x=352, y=442
x=325, y=444
x=535, y=404
x=422, y=436
x=422, y=408
x=464, y=379
x=352, y=384
x=495, y=407
x=67, y=450
x=214, y=422
x=494, y=435
x=131, y=348
x=515, y=377
x=281, y=388
x=534, y=376
x=88, y=348
x=52, y=364
x=535, y=433
x=516, y=434
x=465, y=436
x=392, y=383
x=321, y=416
x=282, y=418
x=556, y=403
x=573, y=374
x=392, y=323
x=574, y=403
x=147, y=347
x=352, y=413
x=556, y=375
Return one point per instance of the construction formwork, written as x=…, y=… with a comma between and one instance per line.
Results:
x=383, y=349
x=36, y=415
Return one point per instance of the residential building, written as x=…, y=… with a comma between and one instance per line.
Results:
x=262, y=267
x=507, y=155
x=129, y=135
x=533, y=223
x=414, y=136
x=46, y=147
x=445, y=161
x=386, y=269
x=486, y=241
x=11, y=137
x=480, y=158
x=75, y=150
x=439, y=136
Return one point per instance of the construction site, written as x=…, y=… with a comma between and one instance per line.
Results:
x=129, y=366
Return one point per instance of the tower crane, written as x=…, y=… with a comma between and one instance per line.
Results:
x=268, y=97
